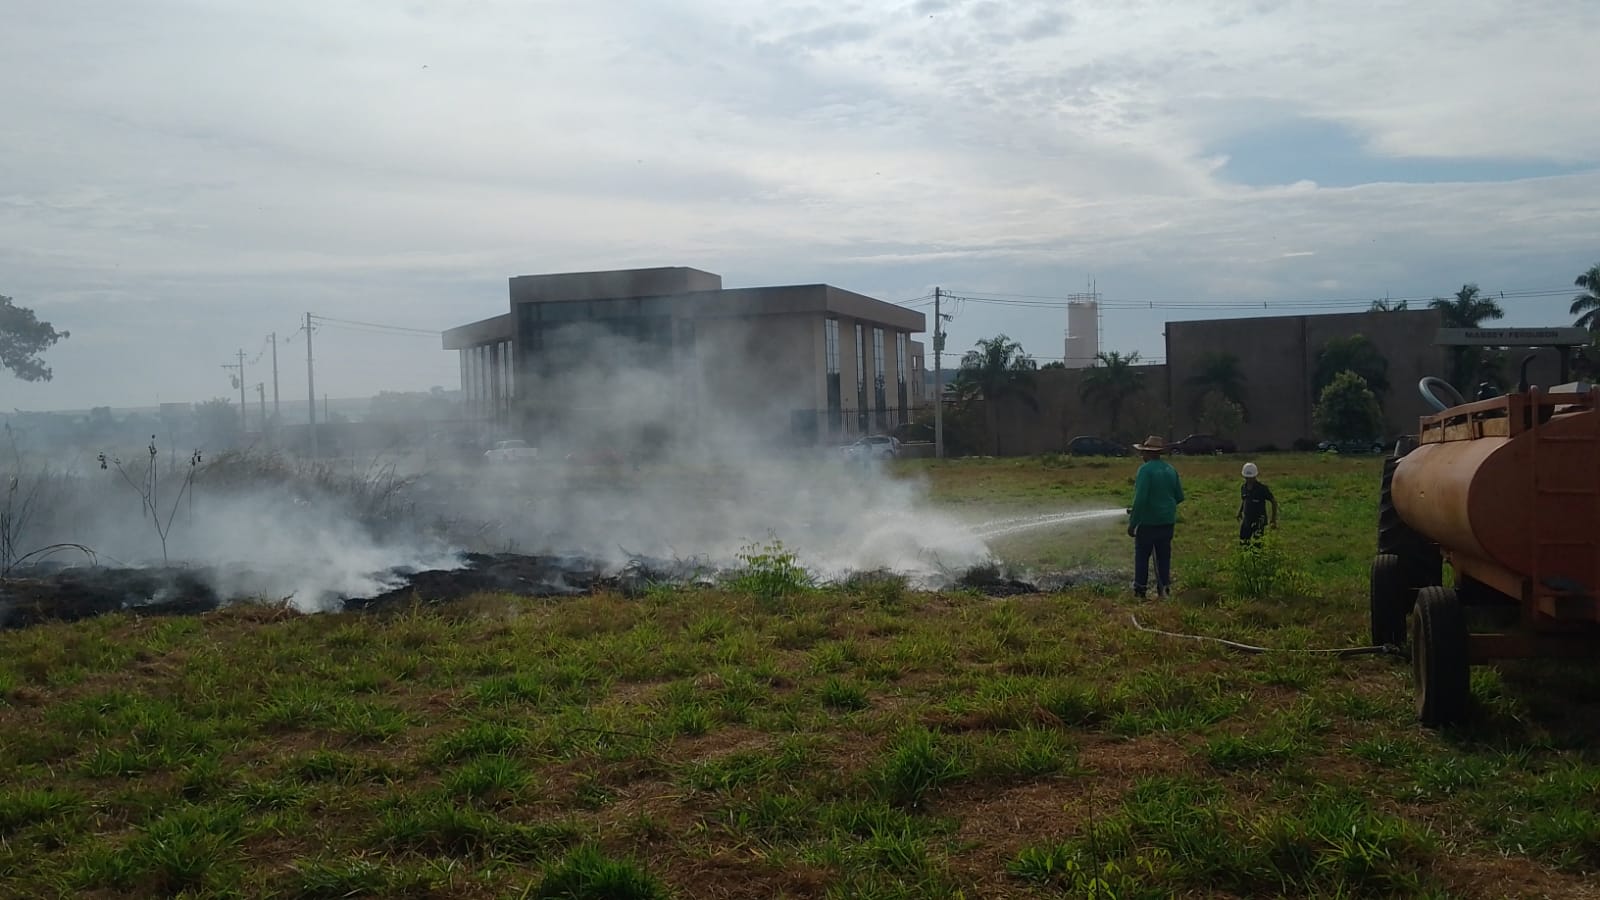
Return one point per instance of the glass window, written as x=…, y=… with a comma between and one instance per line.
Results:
x=569, y=311
x=835, y=398
x=879, y=387
x=900, y=369
x=861, y=377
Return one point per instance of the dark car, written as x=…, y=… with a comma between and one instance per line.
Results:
x=1088, y=445
x=1372, y=445
x=1204, y=444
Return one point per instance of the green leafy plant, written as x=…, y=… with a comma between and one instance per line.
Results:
x=771, y=573
x=1263, y=569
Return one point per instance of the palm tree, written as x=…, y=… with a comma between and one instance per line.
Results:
x=996, y=370
x=1111, y=382
x=1468, y=310
x=1587, y=306
x=1387, y=305
x=1219, y=372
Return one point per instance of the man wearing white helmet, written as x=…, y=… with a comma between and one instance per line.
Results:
x=1253, y=500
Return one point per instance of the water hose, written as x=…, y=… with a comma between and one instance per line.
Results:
x=1373, y=650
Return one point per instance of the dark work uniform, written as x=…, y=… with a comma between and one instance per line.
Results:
x=1254, y=496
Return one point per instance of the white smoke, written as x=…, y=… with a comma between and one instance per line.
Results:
x=709, y=468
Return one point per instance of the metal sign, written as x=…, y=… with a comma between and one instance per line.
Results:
x=1513, y=337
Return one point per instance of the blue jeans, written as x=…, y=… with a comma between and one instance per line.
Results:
x=1156, y=539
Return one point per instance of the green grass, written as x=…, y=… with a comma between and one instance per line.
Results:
x=771, y=736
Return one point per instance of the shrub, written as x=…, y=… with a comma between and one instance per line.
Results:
x=1347, y=409
x=1262, y=569
x=771, y=573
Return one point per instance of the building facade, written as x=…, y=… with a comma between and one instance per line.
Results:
x=1277, y=358
x=673, y=348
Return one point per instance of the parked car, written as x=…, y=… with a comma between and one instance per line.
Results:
x=1371, y=445
x=1088, y=445
x=1204, y=444
x=872, y=446
x=510, y=451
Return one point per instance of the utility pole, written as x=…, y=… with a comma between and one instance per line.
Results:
x=238, y=378
x=311, y=391
x=938, y=376
x=244, y=420
x=275, y=411
x=261, y=395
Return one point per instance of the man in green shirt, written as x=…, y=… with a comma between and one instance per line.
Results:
x=1157, y=491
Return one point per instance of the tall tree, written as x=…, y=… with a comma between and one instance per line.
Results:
x=1351, y=354
x=1469, y=309
x=1346, y=410
x=1219, y=415
x=1111, y=383
x=1586, y=306
x=218, y=423
x=995, y=371
x=1219, y=372
x=22, y=338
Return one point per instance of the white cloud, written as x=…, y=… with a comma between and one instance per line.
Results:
x=240, y=161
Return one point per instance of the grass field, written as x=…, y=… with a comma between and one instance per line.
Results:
x=769, y=739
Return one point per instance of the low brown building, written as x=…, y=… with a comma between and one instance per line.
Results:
x=1277, y=357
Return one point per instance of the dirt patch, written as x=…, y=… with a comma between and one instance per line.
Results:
x=1509, y=877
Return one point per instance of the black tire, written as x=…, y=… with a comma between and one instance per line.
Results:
x=1390, y=601
x=1442, y=676
x=1420, y=561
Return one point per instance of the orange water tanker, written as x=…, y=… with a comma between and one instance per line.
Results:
x=1507, y=492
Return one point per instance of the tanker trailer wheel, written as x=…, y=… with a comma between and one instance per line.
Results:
x=1389, y=601
x=1420, y=562
x=1443, y=681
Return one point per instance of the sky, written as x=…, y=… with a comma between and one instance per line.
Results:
x=181, y=178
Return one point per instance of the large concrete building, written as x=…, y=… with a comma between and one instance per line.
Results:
x=671, y=346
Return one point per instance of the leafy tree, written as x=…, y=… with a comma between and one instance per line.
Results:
x=1219, y=415
x=1387, y=305
x=1469, y=309
x=22, y=338
x=1351, y=354
x=1347, y=410
x=1110, y=384
x=995, y=371
x=217, y=423
x=1586, y=306
x=1220, y=372
x=1053, y=365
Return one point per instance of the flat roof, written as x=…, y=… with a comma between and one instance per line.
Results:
x=483, y=331
x=1422, y=310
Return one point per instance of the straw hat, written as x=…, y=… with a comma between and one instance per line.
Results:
x=1155, y=443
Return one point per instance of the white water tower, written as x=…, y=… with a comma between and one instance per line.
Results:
x=1083, y=330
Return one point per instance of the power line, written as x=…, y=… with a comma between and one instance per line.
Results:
x=1044, y=302
x=358, y=329
x=378, y=325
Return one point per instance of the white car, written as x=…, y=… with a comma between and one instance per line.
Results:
x=510, y=451
x=873, y=446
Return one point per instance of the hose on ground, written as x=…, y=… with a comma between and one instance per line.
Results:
x=1373, y=650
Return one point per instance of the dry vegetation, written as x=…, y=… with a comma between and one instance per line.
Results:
x=773, y=739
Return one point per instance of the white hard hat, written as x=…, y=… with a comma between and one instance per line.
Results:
x=1250, y=470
